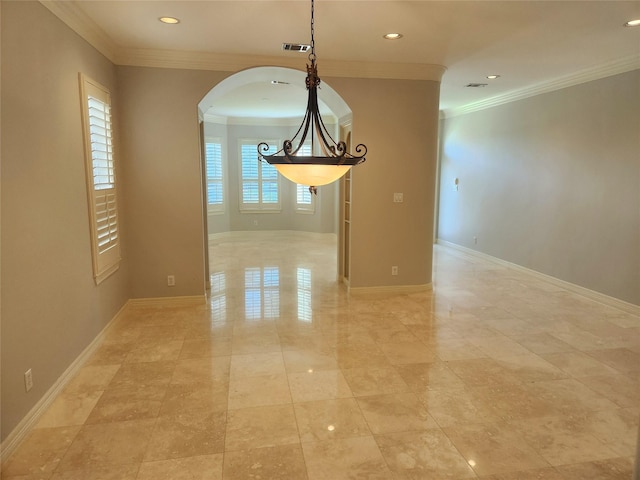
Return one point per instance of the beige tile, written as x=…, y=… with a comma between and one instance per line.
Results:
x=499, y=346
x=195, y=397
x=257, y=427
x=351, y=458
x=252, y=365
x=282, y=462
x=203, y=347
x=610, y=469
x=429, y=376
x=422, y=455
x=92, y=378
x=618, y=429
x=297, y=361
x=110, y=472
x=621, y=359
x=141, y=374
x=329, y=419
x=403, y=353
x=482, y=371
x=460, y=406
x=569, y=396
x=318, y=385
x=363, y=355
x=110, y=354
x=128, y=403
x=543, y=343
x=561, y=440
x=201, y=370
x=458, y=349
x=536, y=474
x=41, y=452
x=399, y=412
x=578, y=364
x=258, y=391
x=187, y=434
x=158, y=351
x=118, y=443
x=623, y=390
x=374, y=381
x=494, y=448
x=258, y=343
x=69, y=408
x=530, y=368
x=202, y=467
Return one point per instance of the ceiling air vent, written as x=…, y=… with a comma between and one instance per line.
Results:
x=476, y=85
x=295, y=47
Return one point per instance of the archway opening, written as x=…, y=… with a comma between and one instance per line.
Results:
x=243, y=194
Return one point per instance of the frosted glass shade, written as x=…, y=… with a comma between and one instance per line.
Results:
x=312, y=175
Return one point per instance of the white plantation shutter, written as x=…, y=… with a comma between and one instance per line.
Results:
x=260, y=187
x=101, y=178
x=215, y=186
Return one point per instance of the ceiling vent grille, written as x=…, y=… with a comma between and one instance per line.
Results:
x=476, y=85
x=295, y=47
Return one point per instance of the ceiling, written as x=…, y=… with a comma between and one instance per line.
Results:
x=534, y=46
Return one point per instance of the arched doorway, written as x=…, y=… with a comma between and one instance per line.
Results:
x=266, y=104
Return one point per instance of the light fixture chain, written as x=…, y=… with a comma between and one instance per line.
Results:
x=312, y=55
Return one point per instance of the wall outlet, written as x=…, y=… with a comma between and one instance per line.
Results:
x=394, y=270
x=475, y=240
x=255, y=222
x=171, y=281
x=398, y=198
x=28, y=380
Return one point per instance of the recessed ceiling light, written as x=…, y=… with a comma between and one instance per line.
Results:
x=633, y=23
x=169, y=20
x=493, y=77
x=393, y=36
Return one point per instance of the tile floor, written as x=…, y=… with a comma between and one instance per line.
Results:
x=494, y=375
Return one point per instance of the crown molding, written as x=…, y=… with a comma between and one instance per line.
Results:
x=83, y=25
x=234, y=63
x=622, y=65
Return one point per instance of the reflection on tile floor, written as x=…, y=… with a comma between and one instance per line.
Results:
x=281, y=375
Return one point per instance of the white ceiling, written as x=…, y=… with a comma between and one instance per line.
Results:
x=533, y=45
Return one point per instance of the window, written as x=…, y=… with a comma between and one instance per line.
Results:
x=215, y=185
x=305, y=201
x=260, y=181
x=101, y=178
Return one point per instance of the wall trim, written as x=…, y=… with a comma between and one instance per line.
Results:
x=621, y=65
x=83, y=25
x=572, y=287
x=19, y=433
x=184, y=301
x=393, y=289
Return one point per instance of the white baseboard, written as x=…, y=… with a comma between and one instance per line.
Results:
x=572, y=287
x=185, y=301
x=391, y=289
x=21, y=430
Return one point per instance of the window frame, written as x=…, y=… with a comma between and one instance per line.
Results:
x=102, y=201
x=216, y=209
x=260, y=206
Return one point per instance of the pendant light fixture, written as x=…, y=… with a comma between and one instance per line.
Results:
x=334, y=160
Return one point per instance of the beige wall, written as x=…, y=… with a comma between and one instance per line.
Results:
x=398, y=121
x=551, y=183
x=161, y=177
x=51, y=307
